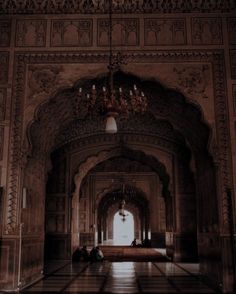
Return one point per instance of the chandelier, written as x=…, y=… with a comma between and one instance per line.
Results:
x=114, y=102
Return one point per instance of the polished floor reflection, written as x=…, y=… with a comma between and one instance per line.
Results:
x=121, y=277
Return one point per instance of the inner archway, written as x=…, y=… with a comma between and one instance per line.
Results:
x=123, y=228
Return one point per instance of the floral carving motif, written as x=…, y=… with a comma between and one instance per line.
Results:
x=120, y=6
x=42, y=80
x=193, y=79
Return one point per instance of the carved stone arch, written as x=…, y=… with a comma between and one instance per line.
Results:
x=163, y=103
x=126, y=152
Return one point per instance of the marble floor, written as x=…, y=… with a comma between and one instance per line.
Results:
x=121, y=277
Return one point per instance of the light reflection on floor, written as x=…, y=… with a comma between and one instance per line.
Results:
x=123, y=277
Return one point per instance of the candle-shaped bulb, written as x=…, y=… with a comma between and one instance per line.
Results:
x=130, y=92
x=104, y=89
x=93, y=87
x=120, y=90
x=135, y=88
x=142, y=94
x=80, y=90
x=88, y=96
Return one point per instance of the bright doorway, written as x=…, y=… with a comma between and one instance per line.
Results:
x=123, y=230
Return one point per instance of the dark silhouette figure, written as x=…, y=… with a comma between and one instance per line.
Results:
x=134, y=243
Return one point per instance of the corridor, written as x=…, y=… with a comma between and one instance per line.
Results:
x=121, y=277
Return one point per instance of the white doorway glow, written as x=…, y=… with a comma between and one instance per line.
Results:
x=123, y=231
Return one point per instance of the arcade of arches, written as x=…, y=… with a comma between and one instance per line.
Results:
x=63, y=178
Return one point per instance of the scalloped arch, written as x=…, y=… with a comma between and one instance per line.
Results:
x=163, y=103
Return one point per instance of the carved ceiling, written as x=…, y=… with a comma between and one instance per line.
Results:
x=119, y=6
x=169, y=116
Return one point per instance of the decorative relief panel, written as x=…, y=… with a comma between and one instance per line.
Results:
x=31, y=32
x=120, y=6
x=232, y=30
x=125, y=32
x=5, y=33
x=233, y=63
x=193, y=79
x=72, y=32
x=3, y=94
x=206, y=31
x=234, y=98
x=1, y=142
x=4, y=60
x=164, y=31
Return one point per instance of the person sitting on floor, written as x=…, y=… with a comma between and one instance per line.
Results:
x=76, y=255
x=134, y=243
x=99, y=254
x=84, y=253
x=93, y=255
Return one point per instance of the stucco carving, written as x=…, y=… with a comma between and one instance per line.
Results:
x=206, y=31
x=5, y=33
x=193, y=79
x=4, y=61
x=3, y=94
x=22, y=59
x=126, y=32
x=120, y=6
x=232, y=30
x=31, y=32
x=72, y=32
x=162, y=31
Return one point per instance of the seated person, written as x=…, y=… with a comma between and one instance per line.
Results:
x=93, y=255
x=134, y=243
x=99, y=254
x=76, y=255
x=84, y=253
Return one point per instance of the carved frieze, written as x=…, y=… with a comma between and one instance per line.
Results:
x=72, y=32
x=31, y=32
x=4, y=60
x=206, y=30
x=193, y=79
x=164, y=31
x=1, y=141
x=232, y=30
x=119, y=6
x=233, y=63
x=125, y=32
x=234, y=97
x=42, y=79
x=3, y=94
x=5, y=33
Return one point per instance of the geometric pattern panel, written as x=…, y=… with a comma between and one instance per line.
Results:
x=31, y=33
x=206, y=31
x=125, y=32
x=164, y=31
x=71, y=32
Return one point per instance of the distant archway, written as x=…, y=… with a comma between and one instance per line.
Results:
x=123, y=231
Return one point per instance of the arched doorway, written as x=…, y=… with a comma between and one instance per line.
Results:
x=165, y=132
x=123, y=228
